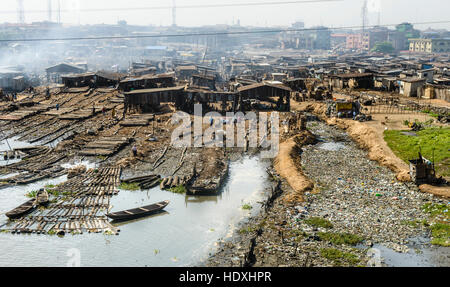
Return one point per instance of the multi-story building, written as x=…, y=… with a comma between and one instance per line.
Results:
x=430, y=45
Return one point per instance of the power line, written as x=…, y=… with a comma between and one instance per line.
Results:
x=212, y=33
x=183, y=6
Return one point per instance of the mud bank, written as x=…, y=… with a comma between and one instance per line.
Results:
x=287, y=165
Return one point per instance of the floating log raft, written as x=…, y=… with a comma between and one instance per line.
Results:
x=60, y=111
x=24, y=113
x=80, y=206
x=137, y=120
x=104, y=146
x=209, y=186
x=145, y=181
x=77, y=90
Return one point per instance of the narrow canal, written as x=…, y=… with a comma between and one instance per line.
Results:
x=361, y=197
x=185, y=234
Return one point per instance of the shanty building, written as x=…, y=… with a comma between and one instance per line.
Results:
x=352, y=80
x=412, y=87
x=54, y=73
x=436, y=91
x=149, y=100
x=279, y=94
x=147, y=82
x=205, y=81
x=210, y=100
x=93, y=80
x=10, y=78
x=185, y=72
x=296, y=84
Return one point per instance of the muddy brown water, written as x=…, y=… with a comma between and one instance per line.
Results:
x=184, y=235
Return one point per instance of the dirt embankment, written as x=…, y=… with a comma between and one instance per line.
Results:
x=288, y=165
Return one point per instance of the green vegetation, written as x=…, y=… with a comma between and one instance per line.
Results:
x=246, y=206
x=181, y=189
x=439, y=227
x=319, y=222
x=129, y=186
x=383, y=47
x=31, y=194
x=407, y=147
x=340, y=238
x=430, y=113
x=441, y=234
x=101, y=157
x=435, y=209
x=339, y=257
x=248, y=229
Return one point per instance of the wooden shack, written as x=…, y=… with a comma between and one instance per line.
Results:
x=352, y=80
x=147, y=82
x=421, y=170
x=267, y=92
x=98, y=79
x=204, y=81
x=149, y=100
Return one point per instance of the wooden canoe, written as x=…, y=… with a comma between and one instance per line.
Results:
x=22, y=209
x=138, y=212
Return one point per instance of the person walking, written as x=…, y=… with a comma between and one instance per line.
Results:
x=134, y=150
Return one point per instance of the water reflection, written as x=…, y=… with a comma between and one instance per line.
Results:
x=184, y=234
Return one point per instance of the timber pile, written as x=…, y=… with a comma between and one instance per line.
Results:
x=79, y=206
x=77, y=90
x=144, y=182
x=119, y=99
x=85, y=113
x=19, y=115
x=174, y=181
x=137, y=120
x=59, y=112
x=211, y=185
x=104, y=146
x=105, y=90
x=39, y=163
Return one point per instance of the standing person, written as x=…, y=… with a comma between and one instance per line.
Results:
x=103, y=110
x=134, y=150
x=113, y=113
x=93, y=109
x=57, y=107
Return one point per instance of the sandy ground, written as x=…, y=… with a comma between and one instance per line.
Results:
x=369, y=135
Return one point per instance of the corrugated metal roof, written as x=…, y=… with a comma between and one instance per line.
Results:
x=156, y=90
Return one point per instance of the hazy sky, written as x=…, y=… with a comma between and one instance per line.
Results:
x=333, y=14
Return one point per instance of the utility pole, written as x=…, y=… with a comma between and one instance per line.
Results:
x=174, y=14
x=20, y=12
x=364, y=15
x=49, y=10
x=58, y=16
